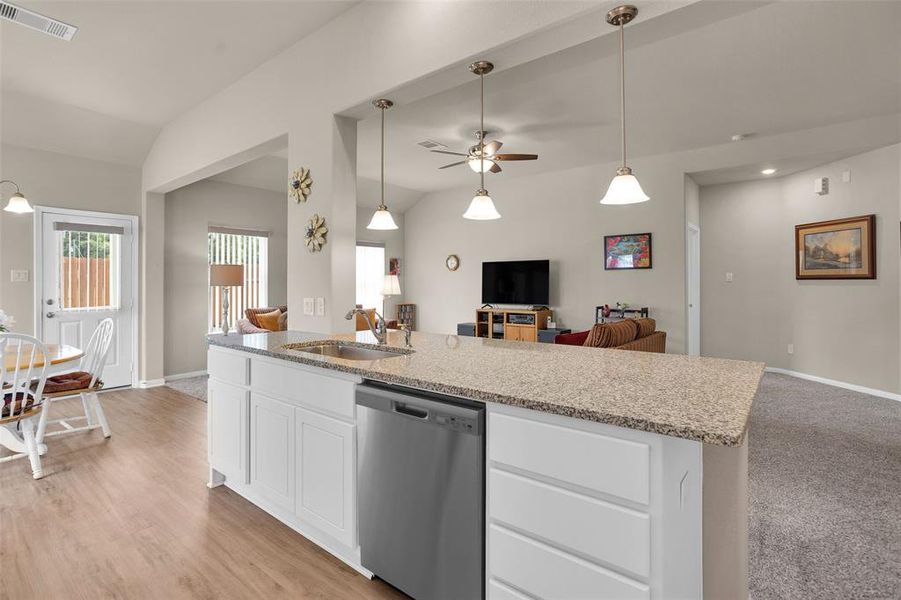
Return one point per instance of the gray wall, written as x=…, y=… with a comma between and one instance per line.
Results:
x=189, y=213
x=842, y=330
x=59, y=181
x=555, y=216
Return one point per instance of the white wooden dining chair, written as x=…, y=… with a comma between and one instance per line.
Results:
x=22, y=386
x=85, y=383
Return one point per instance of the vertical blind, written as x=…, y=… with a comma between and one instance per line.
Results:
x=227, y=246
x=370, y=275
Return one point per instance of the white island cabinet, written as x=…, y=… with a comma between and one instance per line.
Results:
x=574, y=508
x=283, y=436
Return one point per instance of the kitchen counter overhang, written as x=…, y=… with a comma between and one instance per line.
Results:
x=697, y=398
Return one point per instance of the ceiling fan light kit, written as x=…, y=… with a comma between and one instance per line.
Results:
x=382, y=219
x=624, y=188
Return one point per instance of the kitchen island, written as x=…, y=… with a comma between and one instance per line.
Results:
x=609, y=473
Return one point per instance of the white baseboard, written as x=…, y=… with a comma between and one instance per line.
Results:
x=178, y=376
x=151, y=383
x=839, y=384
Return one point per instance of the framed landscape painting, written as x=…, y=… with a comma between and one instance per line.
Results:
x=628, y=251
x=838, y=249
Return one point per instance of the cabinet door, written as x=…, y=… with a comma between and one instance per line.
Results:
x=527, y=334
x=227, y=429
x=511, y=333
x=326, y=494
x=272, y=450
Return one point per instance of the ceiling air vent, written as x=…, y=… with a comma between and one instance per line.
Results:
x=38, y=22
x=431, y=145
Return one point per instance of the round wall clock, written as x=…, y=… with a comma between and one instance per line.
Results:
x=300, y=184
x=452, y=262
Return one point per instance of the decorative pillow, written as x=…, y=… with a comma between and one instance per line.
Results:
x=67, y=382
x=251, y=313
x=269, y=320
x=283, y=321
x=611, y=335
x=646, y=326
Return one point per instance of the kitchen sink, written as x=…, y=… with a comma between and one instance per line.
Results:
x=345, y=351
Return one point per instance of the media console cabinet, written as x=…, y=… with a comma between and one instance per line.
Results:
x=511, y=324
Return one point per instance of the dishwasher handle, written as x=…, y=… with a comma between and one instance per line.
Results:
x=411, y=411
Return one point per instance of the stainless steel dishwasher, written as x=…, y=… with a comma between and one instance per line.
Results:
x=421, y=478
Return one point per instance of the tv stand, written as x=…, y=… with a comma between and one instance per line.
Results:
x=511, y=324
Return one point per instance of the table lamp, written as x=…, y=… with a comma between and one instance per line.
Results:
x=391, y=288
x=226, y=276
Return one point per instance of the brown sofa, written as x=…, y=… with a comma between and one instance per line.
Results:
x=645, y=339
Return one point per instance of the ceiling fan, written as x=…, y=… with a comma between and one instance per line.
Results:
x=483, y=157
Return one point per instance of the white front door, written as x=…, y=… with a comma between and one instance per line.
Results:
x=86, y=265
x=693, y=276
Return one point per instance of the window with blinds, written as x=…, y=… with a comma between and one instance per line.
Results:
x=227, y=246
x=370, y=274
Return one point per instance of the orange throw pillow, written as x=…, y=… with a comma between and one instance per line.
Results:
x=269, y=320
x=646, y=326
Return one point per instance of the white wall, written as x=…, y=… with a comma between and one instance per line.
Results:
x=59, y=181
x=189, y=213
x=842, y=330
x=555, y=216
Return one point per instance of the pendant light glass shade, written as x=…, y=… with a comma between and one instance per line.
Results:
x=18, y=204
x=382, y=220
x=481, y=208
x=624, y=189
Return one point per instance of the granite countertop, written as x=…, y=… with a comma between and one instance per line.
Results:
x=703, y=399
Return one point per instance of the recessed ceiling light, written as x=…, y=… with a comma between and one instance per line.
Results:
x=768, y=171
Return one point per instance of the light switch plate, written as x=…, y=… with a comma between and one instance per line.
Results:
x=729, y=277
x=308, y=306
x=18, y=275
x=320, y=307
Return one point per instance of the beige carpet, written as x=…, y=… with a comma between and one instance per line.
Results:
x=825, y=470
x=192, y=386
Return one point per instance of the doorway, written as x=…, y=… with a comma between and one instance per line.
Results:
x=693, y=286
x=86, y=271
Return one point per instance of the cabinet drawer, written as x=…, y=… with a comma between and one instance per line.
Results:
x=599, y=462
x=226, y=366
x=320, y=392
x=499, y=591
x=596, y=529
x=546, y=572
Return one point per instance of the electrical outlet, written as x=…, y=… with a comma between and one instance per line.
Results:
x=320, y=307
x=791, y=348
x=308, y=306
x=846, y=176
x=729, y=277
x=18, y=276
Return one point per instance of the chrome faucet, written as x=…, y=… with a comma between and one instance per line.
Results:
x=407, y=332
x=380, y=333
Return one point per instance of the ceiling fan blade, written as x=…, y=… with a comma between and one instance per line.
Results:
x=448, y=152
x=495, y=168
x=492, y=147
x=462, y=162
x=515, y=157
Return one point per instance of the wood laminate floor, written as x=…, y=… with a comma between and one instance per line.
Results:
x=131, y=517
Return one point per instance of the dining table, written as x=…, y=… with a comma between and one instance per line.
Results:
x=59, y=359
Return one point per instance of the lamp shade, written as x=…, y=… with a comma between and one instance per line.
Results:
x=480, y=166
x=481, y=208
x=226, y=275
x=624, y=189
x=392, y=286
x=382, y=220
x=18, y=204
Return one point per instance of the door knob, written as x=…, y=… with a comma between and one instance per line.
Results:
x=50, y=302
x=50, y=315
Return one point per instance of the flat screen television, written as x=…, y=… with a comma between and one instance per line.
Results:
x=516, y=282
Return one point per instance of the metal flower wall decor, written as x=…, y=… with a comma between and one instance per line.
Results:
x=300, y=184
x=315, y=234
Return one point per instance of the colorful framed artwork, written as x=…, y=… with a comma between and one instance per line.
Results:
x=394, y=266
x=837, y=249
x=628, y=251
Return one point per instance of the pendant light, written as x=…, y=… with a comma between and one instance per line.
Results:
x=17, y=202
x=481, y=208
x=624, y=189
x=382, y=219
